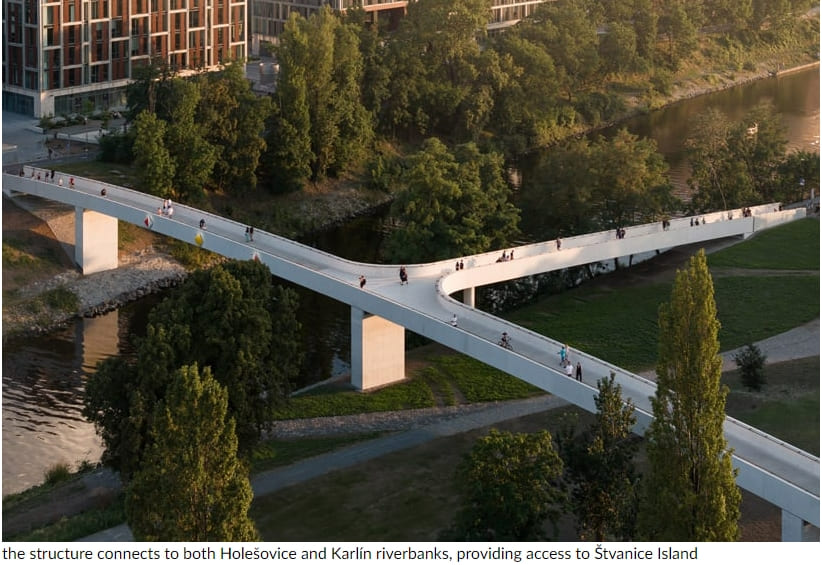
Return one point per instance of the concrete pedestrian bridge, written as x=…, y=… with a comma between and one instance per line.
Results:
x=381, y=311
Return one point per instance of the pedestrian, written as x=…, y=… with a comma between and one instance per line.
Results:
x=202, y=223
x=457, y=266
x=248, y=238
x=403, y=275
x=511, y=256
x=462, y=266
x=579, y=371
x=563, y=354
x=103, y=192
x=569, y=369
x=71, y=182
x=52, y=174
x=362, y=281
x=251, y=233
x=454, y=320
x=559, y=244
x=692, y=222
x=60, y=181
x=170, y=211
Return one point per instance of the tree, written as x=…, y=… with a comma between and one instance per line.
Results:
x=435, y=62
x=233, y=118
x=600, y=468
x=509, y=487
x=735, y=164
x=751, y=363
x=229, y=318
x=194, y=157
x=690, y=493
x=191, y=486
x=454, y=204
x=154, y=163
x=321, y=123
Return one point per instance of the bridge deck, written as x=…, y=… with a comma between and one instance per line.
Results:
x=768, y=467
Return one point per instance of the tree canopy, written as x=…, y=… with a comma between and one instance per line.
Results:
x=600, y=469
x=690, y=491
x=230, y=319
x=454, y=204
x=510, y=487
x=191, y=486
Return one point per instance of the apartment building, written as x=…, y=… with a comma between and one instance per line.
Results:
x=71, y=56
x=269, y=16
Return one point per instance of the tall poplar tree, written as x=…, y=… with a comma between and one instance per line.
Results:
x=690, y=492
x=151, y=156
x=192, y=486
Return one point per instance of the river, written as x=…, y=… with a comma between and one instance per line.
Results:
x=43, y=378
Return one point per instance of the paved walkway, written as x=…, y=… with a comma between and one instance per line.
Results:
x=794, y=344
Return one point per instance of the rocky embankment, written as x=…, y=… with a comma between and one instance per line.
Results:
x=141, y=273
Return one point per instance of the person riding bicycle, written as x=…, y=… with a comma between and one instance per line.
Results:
x=505, y=340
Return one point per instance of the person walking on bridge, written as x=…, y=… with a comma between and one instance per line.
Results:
x=579, y=371
x=403, y=275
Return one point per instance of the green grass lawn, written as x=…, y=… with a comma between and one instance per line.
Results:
x=791, y=246
x=787, y=407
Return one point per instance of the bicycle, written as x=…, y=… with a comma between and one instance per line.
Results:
x=505, y=342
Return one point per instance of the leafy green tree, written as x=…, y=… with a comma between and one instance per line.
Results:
x=194, y=157
x=618, y=48
x=288, y=161
x=584, y=186
x=191, y=486
x=527, y=112
x=454, y=204
x=509, y=485
x=679, y=24
x=233, y=118
x=230, y=319
x=751, y=363
x=690, y=493
x=570, y=36
x=798, y=174
x=600, y=468
x=320, y=99
x=435, y=61
x=735, y=164
x=148, y=89
x=631, y=180
x=154, y=163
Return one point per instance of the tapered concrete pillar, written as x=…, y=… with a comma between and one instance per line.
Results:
x=377, y=351
x=95, y=241
x=793, y=527
x=468, y=296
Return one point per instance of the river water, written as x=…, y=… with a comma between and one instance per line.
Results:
x=44, y=378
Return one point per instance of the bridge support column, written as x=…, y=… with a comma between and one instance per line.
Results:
x=468, y=296
x=95, y=241
x=796, y=529
x=377, y=351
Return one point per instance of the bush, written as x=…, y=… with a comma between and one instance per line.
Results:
x=57, y=473
x=751, y=363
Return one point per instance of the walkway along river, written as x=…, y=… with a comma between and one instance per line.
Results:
x=43, y=378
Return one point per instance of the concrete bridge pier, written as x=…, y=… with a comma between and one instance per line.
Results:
x=796, y=529
x=95, y=241
x=377, y=351
x=468, y=296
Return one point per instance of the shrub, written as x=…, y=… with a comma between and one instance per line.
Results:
x=751, y=363
x=57, y=473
